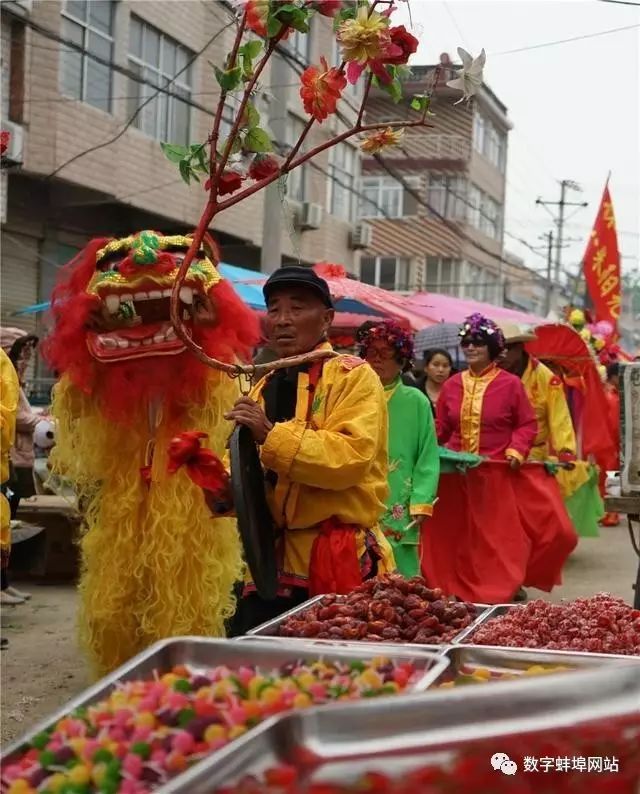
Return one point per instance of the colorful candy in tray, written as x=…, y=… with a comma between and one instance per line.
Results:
x=482, y=675
x=388, y=609
x=601, y=624
x=600, y=757
x=148, y=731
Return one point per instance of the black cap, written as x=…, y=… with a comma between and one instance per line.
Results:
x=296, y=276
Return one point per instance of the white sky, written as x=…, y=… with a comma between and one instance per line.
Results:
x=575, y=107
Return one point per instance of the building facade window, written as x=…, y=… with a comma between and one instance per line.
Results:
x=443, y=275
x=489, y=141
x=160, y=62
x=386, y=272
x=296, y=180
x=447, y=195
x=90, y=26
x=484, y=213
x=381, y=197
x=341, y=186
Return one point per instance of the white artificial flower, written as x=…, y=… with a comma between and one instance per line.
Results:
x=469, y=78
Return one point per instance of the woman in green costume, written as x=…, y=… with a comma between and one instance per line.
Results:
x=414, y=465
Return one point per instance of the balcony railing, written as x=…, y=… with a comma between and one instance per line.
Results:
x=446, y=147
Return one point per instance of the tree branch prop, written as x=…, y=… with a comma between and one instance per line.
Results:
x=357, y=26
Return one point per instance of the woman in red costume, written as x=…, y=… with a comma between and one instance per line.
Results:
x=482, y=543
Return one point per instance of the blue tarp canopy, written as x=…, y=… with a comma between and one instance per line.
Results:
x=245, y=283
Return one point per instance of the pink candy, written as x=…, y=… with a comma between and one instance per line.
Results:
x=183, y=742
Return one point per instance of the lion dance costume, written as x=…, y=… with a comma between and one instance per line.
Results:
x=155, y=563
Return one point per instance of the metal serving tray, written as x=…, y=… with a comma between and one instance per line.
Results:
x=202, y=653
x=272, y=627
x=515, y=661
x=502, y=609
x=339, y=744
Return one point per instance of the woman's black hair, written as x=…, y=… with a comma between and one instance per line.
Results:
x=494, y=347
x=613, y=369
x=18, y=346
x=437, y=351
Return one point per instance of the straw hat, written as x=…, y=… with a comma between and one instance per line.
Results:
x=8, y=336
x=515, y=332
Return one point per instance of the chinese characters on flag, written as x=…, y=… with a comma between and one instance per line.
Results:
x=602, y=264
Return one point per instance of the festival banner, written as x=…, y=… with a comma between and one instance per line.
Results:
x=601, y=264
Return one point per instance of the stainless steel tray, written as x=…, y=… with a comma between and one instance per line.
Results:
x=272, y=627
x=502, y=609
x=202, y=653
x=515, y=661
x=342, y=742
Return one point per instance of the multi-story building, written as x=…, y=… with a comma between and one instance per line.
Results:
x=87, y=122
x=440, y=227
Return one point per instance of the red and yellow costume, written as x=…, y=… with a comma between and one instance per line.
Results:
x=545, y=391
x=154, y=562
x=330, y=464
x=493, y=529
x=9, y=394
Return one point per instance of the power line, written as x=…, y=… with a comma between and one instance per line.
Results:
x=621, y=3
x=564, y=41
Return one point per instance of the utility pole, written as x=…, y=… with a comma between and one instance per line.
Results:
x=560, y=220
x=548, y=287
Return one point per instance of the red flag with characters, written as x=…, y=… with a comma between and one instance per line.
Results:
x=602, y=264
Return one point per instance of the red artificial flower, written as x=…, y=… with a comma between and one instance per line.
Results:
x=262, y=166
x=403, y=41
x=229, y=182
x=328, y=8
x=321, y=90
x=257, y=12
x=5, y=137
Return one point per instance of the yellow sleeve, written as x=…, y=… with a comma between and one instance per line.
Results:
x=339, y=454
x=9, y=394
x=561, y=433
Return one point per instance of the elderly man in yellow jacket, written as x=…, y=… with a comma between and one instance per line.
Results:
x=9, y=393
x=322, y=434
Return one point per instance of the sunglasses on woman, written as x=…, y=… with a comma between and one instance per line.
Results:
x=476, y=341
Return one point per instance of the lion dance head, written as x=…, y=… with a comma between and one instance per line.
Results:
x=154, y=561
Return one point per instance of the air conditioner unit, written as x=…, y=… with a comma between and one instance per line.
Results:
x=310, y=216
x=361, y=236
x=14, y=153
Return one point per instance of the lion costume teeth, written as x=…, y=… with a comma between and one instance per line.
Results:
x=155, y=563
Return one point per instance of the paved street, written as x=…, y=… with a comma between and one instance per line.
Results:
x=43, y=668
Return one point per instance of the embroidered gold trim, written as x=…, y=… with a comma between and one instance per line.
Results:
x=473, y=391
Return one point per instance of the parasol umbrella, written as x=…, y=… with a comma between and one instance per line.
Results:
x=442, y=335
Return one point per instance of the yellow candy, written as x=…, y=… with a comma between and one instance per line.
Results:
x=77, y=744
x=145, y=719
x=20, y=787
x=79, y=774
x=98, y=772
x=482, y=673
x=305, y=680
x=270, y=695
x=214, y=732
x=57, y=781
x=254, y=686
x=371, y=679
x=222, y=688
x=204, y=693
x=237, y=730
x=169, y=679
x=302, y=701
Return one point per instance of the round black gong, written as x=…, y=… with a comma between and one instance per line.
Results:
x=255, y=523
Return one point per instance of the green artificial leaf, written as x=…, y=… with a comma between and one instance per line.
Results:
x=236, y=147
x=200, y=156
x=230, y=79
x=185, y=170
x=394, y=89
x=252, y=117
x=174, y=153
x=258, y=140
x=273, y=27
x=349, y=11
x=251, y=48
x=420, y=102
